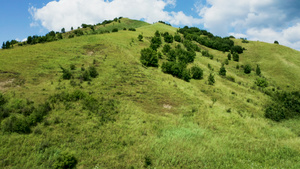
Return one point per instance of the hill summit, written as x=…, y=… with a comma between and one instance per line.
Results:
x=128, y=94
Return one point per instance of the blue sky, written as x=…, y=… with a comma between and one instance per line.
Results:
x=263, y=20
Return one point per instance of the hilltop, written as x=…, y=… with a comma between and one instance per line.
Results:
x=87, y=99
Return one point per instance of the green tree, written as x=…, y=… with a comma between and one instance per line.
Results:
x=211, y=79
x=155, y=43
x=222, y=71
x=149, y=57
x=29, y=40
x=247, y=69
x=257, y=70
x=197, y=72
x=229, y=56
x=186, y=75
x=140, y=37
x=177, y=38
x=63, y=30
x=93, y=72
x=236, y=57
x=276, y=42
x=166, y=48
x=3, y=46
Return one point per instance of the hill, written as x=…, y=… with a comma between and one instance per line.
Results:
x=87, y=101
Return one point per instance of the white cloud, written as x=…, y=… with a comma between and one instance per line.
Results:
x=265, y=20
x=67, y=13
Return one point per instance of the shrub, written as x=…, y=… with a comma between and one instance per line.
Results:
x=276, y=42
x=132, y=29
x=275, y=112
x=186, y=75
x=222, y=71
x=211, y=79
x=65, y=160
x=85, y=76
x=257, y=70
x=115, y=30
x=140, y=37
x=72, y=67
x=237, y=49
x=236, y=57
x=230, y=78
x=229, y=56
x=247, y=69
x=168, y=38
x=261, y=82
x=93, y=72
x=155, y=42
x=177, y=38
x=16, y=124
x=2, y=99
x=66, y=73
x=197, y=72
x=226, y=62
x=149, y=57
x=166, y=48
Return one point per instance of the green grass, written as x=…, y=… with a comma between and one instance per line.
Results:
x=162, y=121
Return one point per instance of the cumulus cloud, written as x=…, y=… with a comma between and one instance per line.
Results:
x=67, y=13
x=265, y=20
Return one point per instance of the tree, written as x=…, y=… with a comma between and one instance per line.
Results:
x=186, y=75
x=197, y=72
x=166, y=48
x=93, y=72
x=71, y=28
x=236, y=57
x=229, y=56
x=177, y=38
x=168, y=38
x=238, y=49
x=63, y=30
x=276, y=42
x=222, y=71
x=140, y=37
x=247, y=69
x=155, y=42
x=157, y=34
x=115, y=30
x=149, y=57
x=7, y=44
x=3, y=46
x=29, y=40
x=258, y=71
x=211, y=79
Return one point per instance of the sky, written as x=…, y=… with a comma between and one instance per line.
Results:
x=263, y=20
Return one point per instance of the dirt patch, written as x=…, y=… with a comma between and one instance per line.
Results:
x=167, y=106
x=6, y=84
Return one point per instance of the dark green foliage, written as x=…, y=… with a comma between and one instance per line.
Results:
x=29, y=40
x=140, y=37
x=164, y=23
x=168, y=38
x=78, y=32
x=166, y=48
x=261, y=82
x=149, y=57
x=67, y=75
x=157, y=34
x=247, y=69
x=85, y=25
x=236, y=49
x=211, y=79
x=186, y=75
x=177, y=38
x=229, y=56
x=132, y=29
x=171, y=56
x=258, y=71
x=222, y=71
x=85, y=76
x=276, y=42
x=72, y=67
x=197, y=72
x=190, y=46
x=65, y=160
x=16, y=124
x=63, y=30
x=2, y=99
x=93, y=72
x=115, y=30
x=230, y=78
x=155, y=42
x=285, y=105
x=211, y=41
x=148, y=162
x=244, y=40
x=226, y=62
x=236, y=57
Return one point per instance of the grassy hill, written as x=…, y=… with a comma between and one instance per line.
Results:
x=132, y=116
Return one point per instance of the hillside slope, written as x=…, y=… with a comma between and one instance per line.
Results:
x=131, y=116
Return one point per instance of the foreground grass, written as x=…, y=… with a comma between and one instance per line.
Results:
x=162, y=121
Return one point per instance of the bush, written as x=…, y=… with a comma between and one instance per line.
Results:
x=132, y=29
x=237, y=49
x=140, y=37
x=247, y=69
x=236, y=57
x=261, y=82
x=115, y=30
x=93, y=72
x=155, y=43
x=65, y=160
x=211, y=79
x=257, y=70
x=72, y=67
x=197, y=72
x=149, y=57
x=66, y=73
x=222, y=71
x=186, y=75
x=275, y=112
x=276, y=42
x=168, y=38
x=230, y=78
x=177, y=38
x=16, y=124
x=166, y=48
x=229, y=56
